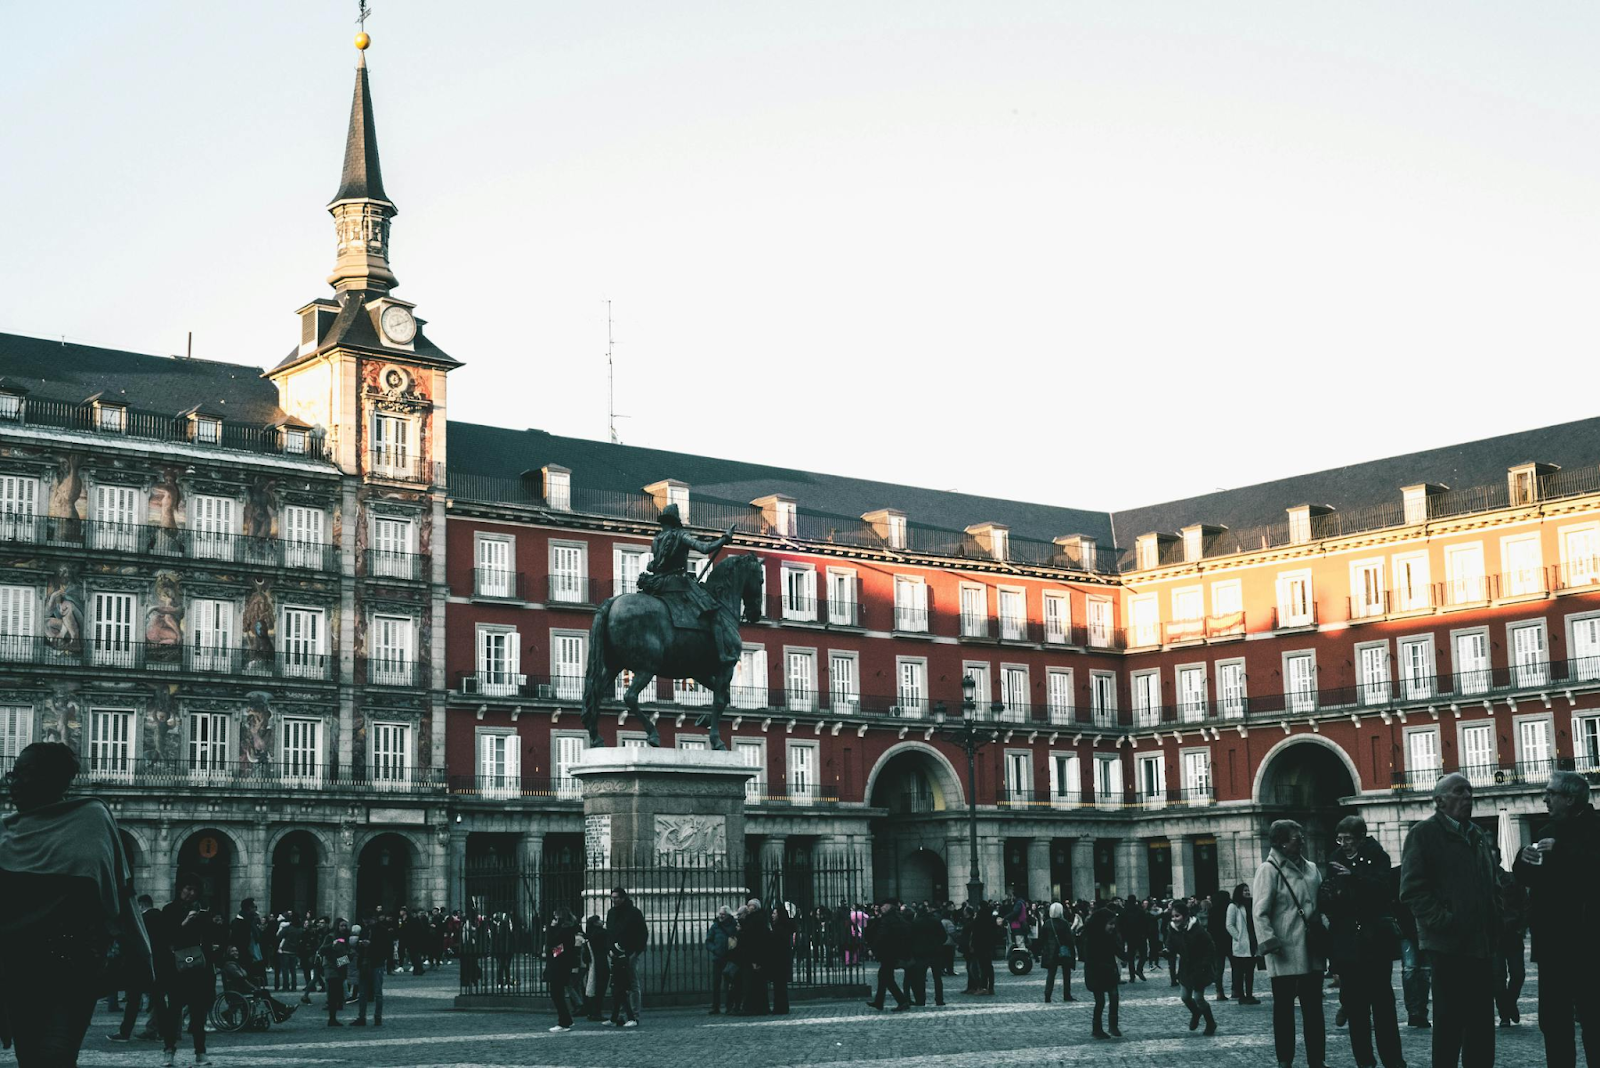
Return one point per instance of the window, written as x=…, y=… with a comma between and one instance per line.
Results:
x=568, y=565
x=1422, y=756
x=1151, y=770
x=1464, y=566
x=295, y=442
x=391, y=444
x=1415, y=499
x=302, y=536
x=110, y=417
x=1528, y=667
x=568, y=652
x=1065, y=779
x=301, y=755
x=1584, y=645
x=1524, y=568
x=1372, y=669
x=1013, y=615
x=1299, y=526
x=1412, y=591
x=628, y=562
x=1146, y=614
x=1194, y=545
x=1146, y=554
x=784, y=516
x=912, y=695
x=974, y=612
x=1230, y=689
x=16, y=730
x=1103, y=698
x=567, y=750
x=1192, y=693
x=18, y=605
x=1580, y=554
x=1019, y=775
x=113, y=630
x=1416, y=668
x=749, y=685
x=1107, y=780
x=210, y=635
x=1058, y=694
x=844, y=683
x=492, y=575
x=799, y=593
x=1146, y=698
x=679, y=495
x=1524, y=485
x=392, y=660
x=303, y=654
x=115, y=516
x=897, y=531
x=1472, y=662
x=1100, y=625
x=390, y=753
x=558, y=490
x=1196, y=764
x=1296, y=607
x=982, y=691
x=910, y=604
x=211, y=520
x=207, y=431
x=1227, y=597
x=19, y=506
x=685, y=692
x=753, y=754
x=842, y=606
x=111, y=743
x=499, y=764
x=208, y=743
x=1587, y=743
x=803, y=772
x=391, y=547
x=1533, y=745
x=1300, y=678
x=499, y=661
x=1057, y=618
x=1014, y=692
x=800, y=679
x=1366, y=589
x=1188, y=603
x=11, y=407
x=1477, y=753
x=999, y=543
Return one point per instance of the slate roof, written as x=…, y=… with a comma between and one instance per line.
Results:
x=495, y=452
x=353, y=326
x=73, y=373
x=363, y=177
x=1374, y=484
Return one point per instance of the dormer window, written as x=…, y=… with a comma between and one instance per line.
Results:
x=295, y=441
x=992, y=538
x=897, y=532
x=1146, y=554
x=1193, y=544
x=1299, y=526
x=1416, y=504
x=207, y=430
x=779, y=514
x=1523, y=482
x=671, y=491
x=558, y=488
x=111, y=418
x=10, y=406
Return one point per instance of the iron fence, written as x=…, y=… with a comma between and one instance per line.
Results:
x=511, y=904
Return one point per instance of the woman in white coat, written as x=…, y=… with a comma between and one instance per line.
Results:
x=1284, y=894
x=1241, y=946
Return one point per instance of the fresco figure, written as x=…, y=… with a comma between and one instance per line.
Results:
x=68, y=500
x=163, y=621
x=258, y=626
x=63, y=612
x=255, y=740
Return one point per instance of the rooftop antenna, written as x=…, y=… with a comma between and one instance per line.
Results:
x=611, y=381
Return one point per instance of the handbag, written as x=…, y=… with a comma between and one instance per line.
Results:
x=1316, y=933
x=188, y=959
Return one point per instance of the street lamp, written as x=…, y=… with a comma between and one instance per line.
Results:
x=971, y=738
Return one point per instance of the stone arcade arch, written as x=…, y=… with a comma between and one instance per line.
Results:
x=213, y=855
x=1306, y=778
x=386, y=868
x=297, y=859
x=919, y=789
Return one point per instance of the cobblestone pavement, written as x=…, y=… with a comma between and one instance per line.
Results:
x=1011, y=1030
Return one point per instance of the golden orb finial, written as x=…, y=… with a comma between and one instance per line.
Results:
x=362, y=41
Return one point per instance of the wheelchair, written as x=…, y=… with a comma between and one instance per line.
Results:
x=235, y=1011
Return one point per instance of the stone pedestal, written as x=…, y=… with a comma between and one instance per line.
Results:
x=640, y=805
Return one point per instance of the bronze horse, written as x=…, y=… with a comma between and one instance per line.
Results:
x=634, y=633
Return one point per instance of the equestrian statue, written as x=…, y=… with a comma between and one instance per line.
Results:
x=675, y=627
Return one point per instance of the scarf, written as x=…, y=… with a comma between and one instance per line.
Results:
x=77, y=838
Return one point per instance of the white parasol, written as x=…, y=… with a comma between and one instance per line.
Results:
x=1508, y=840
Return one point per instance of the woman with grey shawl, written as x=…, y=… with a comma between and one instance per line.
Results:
x=66, y=893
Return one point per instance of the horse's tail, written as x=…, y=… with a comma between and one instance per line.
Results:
x=596, y=668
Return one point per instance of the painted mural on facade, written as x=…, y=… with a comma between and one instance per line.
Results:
x=64, y=611
x=163, y=626
x=255, y=734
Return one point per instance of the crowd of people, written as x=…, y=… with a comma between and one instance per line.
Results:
x=1453, y=913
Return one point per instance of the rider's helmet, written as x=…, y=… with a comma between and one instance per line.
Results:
x=670, y=517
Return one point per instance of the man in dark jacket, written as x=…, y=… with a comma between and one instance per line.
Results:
x=890, y=939
x=1560, y=872
x=722, y=928
x=1356, y=899
x=1447, y=879
x=927, y=953
x=627, y=934
x=244, y=934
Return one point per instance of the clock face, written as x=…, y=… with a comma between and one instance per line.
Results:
x=398, y=325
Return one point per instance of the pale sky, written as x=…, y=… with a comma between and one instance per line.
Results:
x=1089, y=254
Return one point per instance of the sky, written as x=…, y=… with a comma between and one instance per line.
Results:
x=1088, y=254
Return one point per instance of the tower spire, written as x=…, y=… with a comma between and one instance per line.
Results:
x=361, y=210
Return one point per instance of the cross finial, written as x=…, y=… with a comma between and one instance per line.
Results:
x=361, y=17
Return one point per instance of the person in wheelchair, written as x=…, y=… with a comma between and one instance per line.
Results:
x=236, y=980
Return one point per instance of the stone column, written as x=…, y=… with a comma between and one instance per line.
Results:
x=1183, y=879
x=1247, y=856
x=1039, y=869
x=992, y=858
x=1083, y=869
x=772, y=847
x=252, y=881
x=957, y=865
x=861, y=851
x=1132, y=871
x=530, y=849
x=457, y=864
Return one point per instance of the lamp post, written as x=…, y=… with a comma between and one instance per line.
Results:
x=971, y=738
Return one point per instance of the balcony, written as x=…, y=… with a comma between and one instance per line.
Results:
x=976, y=627
x=1578, y=574
x=145, y=539
x=1225, y=626
x=394, y=671
x=1099, y=636
x=796, y=797
x=155, y=426
x=397, y=464
x=162, y=657
x=1143, y=636
x=1293, y=617
x=574, y=590
x=909, y=620
x=1068, y=799
x=1522, y=773
x=496, y=584
x=1018, y=629
x=844, y=613
x=101, y=771
x=1180, y=631
x=1057, y=632
x=381, y=563
x=790, y=609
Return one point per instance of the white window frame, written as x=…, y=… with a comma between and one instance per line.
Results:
x=567, y=685
x=748, y=689
x=1412, y=686
x=628, y=562
x=1583, y=646
x=1526, y=579
x=910, y=604
x=303, y=532
x=753, y=754
x=1533, y=768
x=1150, y=796
x=1193, y=704
x=1299, y=699
x=211, y=634
x=798, y=586
x=113, y=633
x=1231, y=705
x=111, y=755
x=558, y=490
x=1463, y=586
x=1297, y=599
x=566, y=749
x=16, y=731
x=1195, y=789
x=1017, y=768
x=1481, y=773
x=800, y=679
x=19, y=508
x=1016, y=694
x=1103, y=698
x=1368, y=589
x=973, y=600
x=396, y=666
x=1586, y=743
x=799, y=790
x=1414, y=769
x=568, y=586
x=1013, y=625
x=982, y=675
x=301, y=764
x=1059, y=694
x=393, y=538
x=843, y=611
x=1413, y=588
x=499, y=751
x=212, y=522
x=1188, y=604
x=209, y=736
x=117, y=510
x=1144, y=621
x=1102, y=621
x=19, y=622
x=392, y=437
x=896, y=527
x=492, y=680
x=1145, y=692
x=1057, y=617
x=1108, y=786
x=911, y=705
x=1531, y=673
x=1065, y=791
x=1475, y=679
x=299, y=657
x=1579, y=568
x=490, y=581
x=1227, y=597
x=844, y=695
x=1374, y=673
